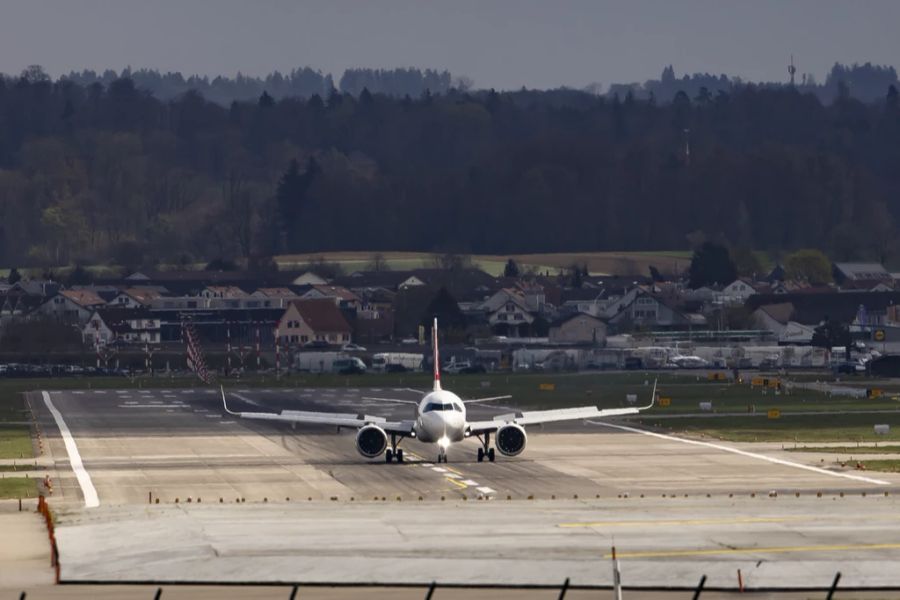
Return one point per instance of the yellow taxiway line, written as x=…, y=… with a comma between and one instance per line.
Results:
x=762, y=550
x=458, y=484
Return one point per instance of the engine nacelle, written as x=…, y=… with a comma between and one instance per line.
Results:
x=511, y=439
x=371, y=441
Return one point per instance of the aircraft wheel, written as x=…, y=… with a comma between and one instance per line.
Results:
x=480, y=454
x=399, y=455
x=490, y=455
x=388, y=455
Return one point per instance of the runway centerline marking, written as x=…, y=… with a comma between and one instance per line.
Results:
x=771, y=459
x=663, y=522
x=769, y=550
x=91, y=500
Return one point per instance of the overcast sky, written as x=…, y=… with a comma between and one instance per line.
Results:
x=498, y=43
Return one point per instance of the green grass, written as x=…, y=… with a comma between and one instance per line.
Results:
x=793, y=428
x=15, y=441
x=886, y=465
x=18, y=487
x=854, y=450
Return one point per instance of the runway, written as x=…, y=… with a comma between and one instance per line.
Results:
x=281, y=493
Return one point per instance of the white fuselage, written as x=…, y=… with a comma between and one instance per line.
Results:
x=441, y=418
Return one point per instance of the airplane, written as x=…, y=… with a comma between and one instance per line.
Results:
x=440, y=418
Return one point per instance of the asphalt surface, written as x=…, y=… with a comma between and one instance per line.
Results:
x=186, y=491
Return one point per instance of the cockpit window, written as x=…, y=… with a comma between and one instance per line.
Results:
x=433, y=406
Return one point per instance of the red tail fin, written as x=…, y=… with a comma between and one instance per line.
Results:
x=437, y=360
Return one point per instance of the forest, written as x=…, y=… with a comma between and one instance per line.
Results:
x=109, y=173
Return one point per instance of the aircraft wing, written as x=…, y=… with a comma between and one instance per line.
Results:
x=324, y=418
x=537, y=417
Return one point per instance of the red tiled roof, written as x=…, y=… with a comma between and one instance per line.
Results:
x=322, y=315
x=83, y=297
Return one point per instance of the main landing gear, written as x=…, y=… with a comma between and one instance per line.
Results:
x=394, y=452
x=485, y=450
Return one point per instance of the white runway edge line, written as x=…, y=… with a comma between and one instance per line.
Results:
x=771, y=459
x=84, y=479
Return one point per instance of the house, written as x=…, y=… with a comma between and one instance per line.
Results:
x=390, y=280
x=655, y=311
x=341, y=296
x=508, y=313
x=587, y=300
x=274, y=297
x=736, y=292
x=138, y=297
x=847, y=271
x=121, y=325
x=578, y=328
x=75, y=306
x=774, y=317
x=317, y=320
x=223, y=291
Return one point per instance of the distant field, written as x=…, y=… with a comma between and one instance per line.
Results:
x=598, y=263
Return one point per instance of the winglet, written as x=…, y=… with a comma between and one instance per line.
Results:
x=437, y=361
x=652, y=397
x=225, y=404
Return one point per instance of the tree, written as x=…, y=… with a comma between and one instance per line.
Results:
x=747, y=262
x=291, y=198
x=451, y=261
x=378, y=263
x=13, y=276
x=511, y=269
x=265, y=100
x=444, y=307
x=832, y=334
x=809, y=264
x=892, y=103
x=80, y=276
x=711, y=265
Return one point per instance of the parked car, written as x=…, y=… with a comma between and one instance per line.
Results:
x=353, y=348
x=316, y=344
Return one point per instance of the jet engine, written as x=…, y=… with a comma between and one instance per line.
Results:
x=371, y=441
x=511, y=439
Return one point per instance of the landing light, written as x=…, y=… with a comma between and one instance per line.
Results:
x=444, y=442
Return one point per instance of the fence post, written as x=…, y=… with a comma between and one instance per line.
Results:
x=699, y=589
x=564, y=589
x=831, y=590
